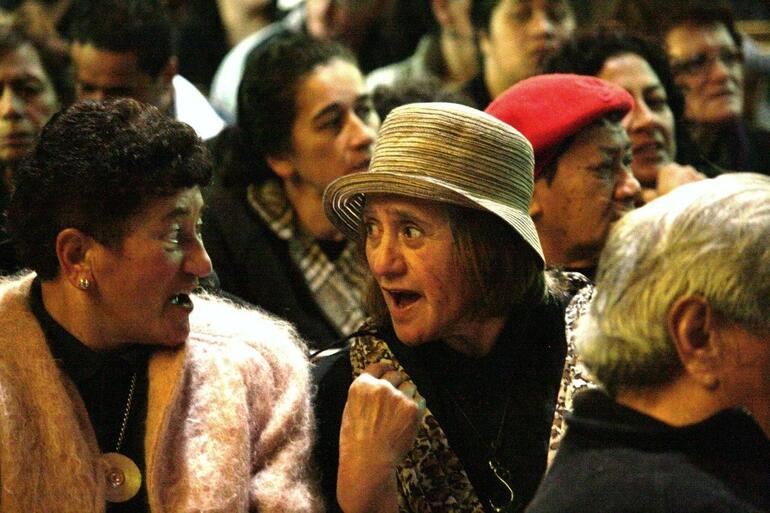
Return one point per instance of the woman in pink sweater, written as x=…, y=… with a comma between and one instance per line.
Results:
x=121, y=387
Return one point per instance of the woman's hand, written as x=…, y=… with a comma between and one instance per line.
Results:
x=671, y=176
x=379, y=425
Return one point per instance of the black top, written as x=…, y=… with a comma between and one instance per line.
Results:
x=103, y=380
x=524, y=368
x=615, y=459
x=476, y=92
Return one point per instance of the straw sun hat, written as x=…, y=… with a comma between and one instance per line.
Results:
x=447, y=153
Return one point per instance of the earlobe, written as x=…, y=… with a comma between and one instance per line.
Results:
x=484, y=42
x=536, y=206
x=692, y=328
x=281, y=166
x=170, y=70
x=72, y=251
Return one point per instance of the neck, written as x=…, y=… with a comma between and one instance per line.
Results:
x=7, y=177
x=460, y=56
x=478, y=338
x=307, y=201
x=70, y=308
x=495, y=81
x=557, y=256
x=680, y=403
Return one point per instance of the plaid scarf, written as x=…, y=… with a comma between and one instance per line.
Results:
x=430, y=477
x=337, y=286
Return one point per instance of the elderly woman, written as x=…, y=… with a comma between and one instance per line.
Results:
x=454, y=379
x=678, y=334
x=120, y=384
x=305, y=118
x=663, y=154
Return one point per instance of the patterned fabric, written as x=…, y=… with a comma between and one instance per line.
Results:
x=338, y=285
x=575, y=377
x=431, y=478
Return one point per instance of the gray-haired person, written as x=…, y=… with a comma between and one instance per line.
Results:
x=678, y=334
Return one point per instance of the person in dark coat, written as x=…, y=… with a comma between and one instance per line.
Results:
x=678, y=335
x=305, y=118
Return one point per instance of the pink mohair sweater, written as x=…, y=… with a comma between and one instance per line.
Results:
x=229, y=424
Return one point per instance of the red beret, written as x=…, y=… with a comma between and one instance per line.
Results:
x=548, y=109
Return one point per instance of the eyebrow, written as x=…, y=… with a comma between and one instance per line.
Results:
x=332, y=107
x=176, y=213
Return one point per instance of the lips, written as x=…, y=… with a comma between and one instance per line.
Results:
x=401, y=299
x=16, y=139
x=648, y=150
x=182, y=300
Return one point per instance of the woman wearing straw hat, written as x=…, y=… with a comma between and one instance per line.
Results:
x=457, y=372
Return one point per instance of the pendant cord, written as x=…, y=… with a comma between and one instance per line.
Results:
x=497, y=442
x=126, y=413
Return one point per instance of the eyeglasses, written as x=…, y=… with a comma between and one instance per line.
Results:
x=702, y=62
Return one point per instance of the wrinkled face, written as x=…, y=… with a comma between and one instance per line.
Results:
x=522, y=34
x=101, y=74
x=27, y=103
x=411, y=254
x=592, y=188
x=651, y=123
x=335, y=126
x=708, y=67
x=143, y=288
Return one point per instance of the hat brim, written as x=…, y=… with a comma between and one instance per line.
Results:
x=344, y=201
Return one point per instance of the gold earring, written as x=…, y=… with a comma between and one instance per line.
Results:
x=83, y=283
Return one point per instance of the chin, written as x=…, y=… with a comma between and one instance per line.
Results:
x=410, y=337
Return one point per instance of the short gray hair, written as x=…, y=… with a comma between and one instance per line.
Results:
x=710, y=238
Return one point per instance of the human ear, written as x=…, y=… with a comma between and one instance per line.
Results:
x=536, y=206
x=692, y=327
x=281, y=166
x=72, y=249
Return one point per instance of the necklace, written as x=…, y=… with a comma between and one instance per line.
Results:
x=121, y=473
x=498, y=470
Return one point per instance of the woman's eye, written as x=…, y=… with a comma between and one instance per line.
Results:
x=412, y=232
x=627, y=160
x=369, y=228
x=657, y=104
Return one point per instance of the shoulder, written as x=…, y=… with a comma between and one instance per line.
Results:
x=14, y=294
x=219, y=326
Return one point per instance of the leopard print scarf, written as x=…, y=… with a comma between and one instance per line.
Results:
x=431, y=477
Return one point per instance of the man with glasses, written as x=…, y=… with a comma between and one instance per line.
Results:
x=704, y=50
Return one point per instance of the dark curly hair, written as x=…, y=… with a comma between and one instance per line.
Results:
x=267, y=104
x=140, y=26
x=96, y=166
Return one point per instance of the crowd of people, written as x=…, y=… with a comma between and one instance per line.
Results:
x=382, y=256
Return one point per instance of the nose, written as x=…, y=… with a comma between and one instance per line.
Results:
x=11, y=105
x=540, y=23
x=362, y=134
x=627, y=187
x=385, y=257
x=197, y=261
x=719, y=70
x=642, y=117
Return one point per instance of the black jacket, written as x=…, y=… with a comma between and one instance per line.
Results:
x=616, y=460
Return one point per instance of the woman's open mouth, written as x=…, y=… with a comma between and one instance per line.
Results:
x=182, y=300
x=403, y=298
